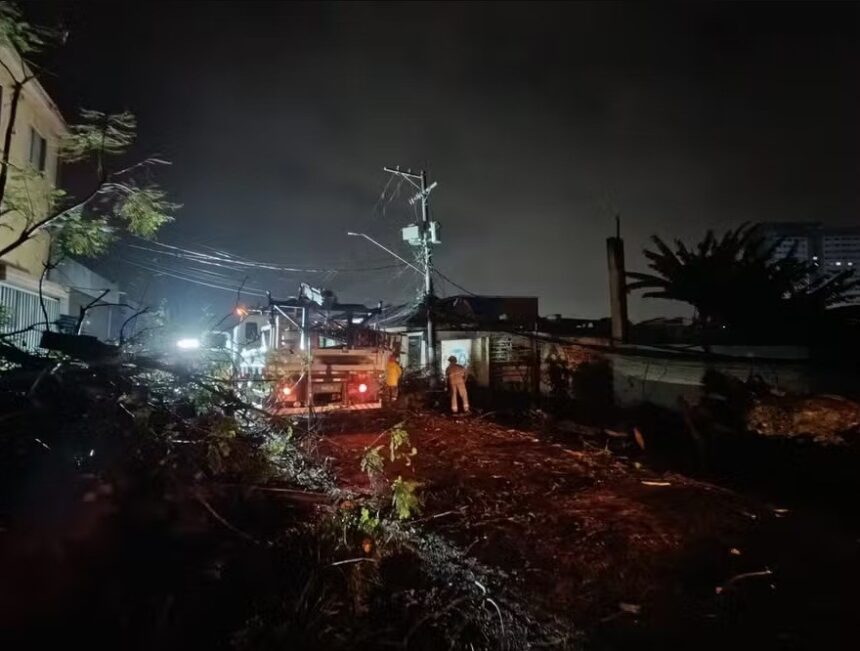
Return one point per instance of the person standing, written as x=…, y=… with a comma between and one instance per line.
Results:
x=456, y=375
x=393, y=372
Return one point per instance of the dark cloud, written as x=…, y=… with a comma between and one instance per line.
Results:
x=540, y=122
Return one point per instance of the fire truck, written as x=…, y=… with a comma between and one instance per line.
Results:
x=311, y=354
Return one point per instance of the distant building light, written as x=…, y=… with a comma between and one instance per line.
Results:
x=815, y=257
x=838, y=263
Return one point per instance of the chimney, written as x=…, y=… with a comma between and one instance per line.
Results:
x=617, y=285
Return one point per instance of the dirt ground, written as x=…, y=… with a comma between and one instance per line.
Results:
x=628, y=555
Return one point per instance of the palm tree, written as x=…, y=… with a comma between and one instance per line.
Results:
x=735, y=282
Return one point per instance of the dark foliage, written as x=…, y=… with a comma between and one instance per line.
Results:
x=735, y=282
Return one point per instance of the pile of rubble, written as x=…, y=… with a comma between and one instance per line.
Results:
x=830, y=420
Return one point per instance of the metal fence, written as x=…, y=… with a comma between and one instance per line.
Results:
x=20, y=310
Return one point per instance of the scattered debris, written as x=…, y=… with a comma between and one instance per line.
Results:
x=640, y=440
x=720, y=589
x=572, y=529
x=632, y=609
x=617, y=435
x=825, y=419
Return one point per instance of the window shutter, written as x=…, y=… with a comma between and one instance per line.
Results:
x=43, y=153
x=33, y=145
x=38, y=150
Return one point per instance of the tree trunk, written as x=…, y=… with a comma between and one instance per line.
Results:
x=7, y=139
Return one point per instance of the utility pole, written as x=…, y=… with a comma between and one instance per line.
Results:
x=423, y=235
x=617, y=285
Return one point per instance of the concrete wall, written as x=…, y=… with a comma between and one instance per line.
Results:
x=641, y=374
x=595, y=372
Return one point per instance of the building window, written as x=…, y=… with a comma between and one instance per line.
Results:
x=24, y=311
x=38, y=150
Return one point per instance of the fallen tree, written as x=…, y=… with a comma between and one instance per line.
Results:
x=144, y=501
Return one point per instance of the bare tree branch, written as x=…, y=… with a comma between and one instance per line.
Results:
x=29, y=231
x=129, y=320
x=86, y=307
x=29, y=328
x=102, y=186
x=47, y=266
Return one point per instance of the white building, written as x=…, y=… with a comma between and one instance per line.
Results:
x=831, y=249
x=37, y=133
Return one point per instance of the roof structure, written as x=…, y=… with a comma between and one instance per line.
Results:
x=467, y=312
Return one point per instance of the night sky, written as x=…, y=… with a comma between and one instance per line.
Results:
x=540, y=123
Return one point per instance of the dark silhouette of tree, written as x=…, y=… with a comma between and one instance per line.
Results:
x=735, y=282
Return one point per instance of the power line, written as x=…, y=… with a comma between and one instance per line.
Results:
x=164, y=272
x=184, y=267
x=206, y=258
x=236, y=263
x=451, y=282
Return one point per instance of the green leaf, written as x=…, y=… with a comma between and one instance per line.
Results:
x=372, y=463
x=404, y=499
x=145, y=210
x=367, y=522
x=78, y=235
x=398, y=438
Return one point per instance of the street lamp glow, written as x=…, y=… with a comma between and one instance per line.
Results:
x=190, y=343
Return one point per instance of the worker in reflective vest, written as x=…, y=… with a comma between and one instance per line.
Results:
x=456, y=375
x=393, y=371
